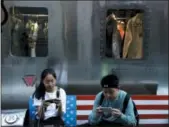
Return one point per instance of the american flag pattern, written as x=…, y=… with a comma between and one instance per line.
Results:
x=70, y=116
x=152, y=109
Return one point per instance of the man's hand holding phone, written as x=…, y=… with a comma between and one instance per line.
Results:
x=116, y=112
x=99, y=111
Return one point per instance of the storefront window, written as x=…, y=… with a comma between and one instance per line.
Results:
x=29, y=31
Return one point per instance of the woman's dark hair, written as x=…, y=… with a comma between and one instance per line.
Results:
x=40, y=91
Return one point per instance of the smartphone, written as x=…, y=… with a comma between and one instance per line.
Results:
x=106, y=109
x=53, y=101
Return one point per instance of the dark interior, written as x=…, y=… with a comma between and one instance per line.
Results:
x=30, y=13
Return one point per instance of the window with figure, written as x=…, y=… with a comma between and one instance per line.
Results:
x=124, y=34
x=29, y=31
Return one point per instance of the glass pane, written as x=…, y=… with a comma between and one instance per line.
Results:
x=29, y=31
x=124, y=34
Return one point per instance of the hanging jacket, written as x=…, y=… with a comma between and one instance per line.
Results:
x=133, y=42
x=113, y=40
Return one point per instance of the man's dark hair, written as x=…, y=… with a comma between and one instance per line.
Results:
x=110, y=81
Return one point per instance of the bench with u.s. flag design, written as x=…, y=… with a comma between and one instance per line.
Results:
x=153, y=109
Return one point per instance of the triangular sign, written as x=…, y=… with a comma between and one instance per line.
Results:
x=29, y=80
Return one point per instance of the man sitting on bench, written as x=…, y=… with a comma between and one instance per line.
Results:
x=113, y=106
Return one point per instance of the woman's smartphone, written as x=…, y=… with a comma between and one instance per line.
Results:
x=56, y=101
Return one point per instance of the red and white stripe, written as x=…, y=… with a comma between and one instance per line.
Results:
x=153, y=109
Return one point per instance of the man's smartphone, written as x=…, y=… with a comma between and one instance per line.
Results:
x=106, y=109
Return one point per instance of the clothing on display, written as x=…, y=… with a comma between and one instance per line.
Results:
x=29, y=31
x=124, y=36
x=113, y=39
x=134, y=38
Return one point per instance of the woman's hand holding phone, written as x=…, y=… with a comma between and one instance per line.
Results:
x=57, y=102
x=46, y=104
x=59, y=108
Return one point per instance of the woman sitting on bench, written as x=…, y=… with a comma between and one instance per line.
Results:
x=49, y=100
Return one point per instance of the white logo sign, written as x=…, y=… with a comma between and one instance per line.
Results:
x=10, y=119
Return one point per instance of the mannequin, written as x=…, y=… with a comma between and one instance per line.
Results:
x=133, y=41
x=113, y=39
